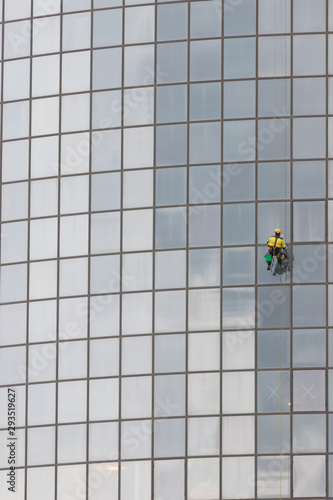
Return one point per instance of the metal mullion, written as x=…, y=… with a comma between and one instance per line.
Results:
x=291, y=377
x=120, y=335
x=256, y=263
x=27, y=256
x=221, y=251
x=89, y=254
x=58, y=262
x=186, y=459
x=327, y=456
x=153, y=266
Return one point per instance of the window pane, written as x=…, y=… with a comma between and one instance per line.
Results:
x=309, y=179
x=171, y=22
x=240, y=20
x=272, y=431
x=238, y=308
x=170, y=186
x=309, y=390
x=204, y=184
x=203, y=351
x=205, y=142
x=172, y=62
x=204, y=267
x=204, y=21
x=309, y=96
x=238, y=266
x=239, y=99
x=171, y=145
x=236, y=139
x=273, y=391
x=137, y=59
x=238, y=392
x=205, y=101
x=170, y=311
x=205, y=60
x=204, y=226
x=309, y=54
x=274, y=13
x=309, y=137
x=238, y=435
x=139, y=24
x=309, y=221
x=309, y=433
x=171, y=101
x=239, y=58
x=309, y=348
x=169, y=353
x=273, y=349
x=203, y=436
x=309, y=476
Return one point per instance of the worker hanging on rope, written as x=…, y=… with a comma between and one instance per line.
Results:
x=276, y=248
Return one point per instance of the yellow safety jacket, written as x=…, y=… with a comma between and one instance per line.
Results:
x=276, y=242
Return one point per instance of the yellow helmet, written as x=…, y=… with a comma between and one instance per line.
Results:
x=278, y=231
x=282, y=236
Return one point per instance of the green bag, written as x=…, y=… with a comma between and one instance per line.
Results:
x=268, y=257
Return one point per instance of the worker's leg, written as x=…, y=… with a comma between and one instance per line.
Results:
x=278, y=256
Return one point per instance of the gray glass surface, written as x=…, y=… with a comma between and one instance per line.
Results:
x=170, y=186
x=238, y=137
x=205, y=142
x=308, y=390
x=238, y=266
x=242, y=216
x=205, y=101
x=273, y=391
x=273, y=181
x=309, y=221
x=309, y=312
x=238, y=182
x=204, y=226
x=273, y=306
x=170, y=353
x=204, y=267
x=204, y=184
x=309, y=263
x=239, y=99
x=309, y=179
x=273, y=14
x=107, y=27
x=309, y=348
x=309, y=433
x=309, y=96
x=274, y=97
x=204, y=21
x=171, y=22
x=273, y=349
x=172, y=62
x=240, y=20
x=309, y=137
x=309, y=55
x=170, y=228
x=273, y=433
x=205, y=60
x=171, y=145
x=238, y=308
x=239, y=58
x=171, y=103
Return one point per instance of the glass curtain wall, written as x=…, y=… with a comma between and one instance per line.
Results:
x=148, y=151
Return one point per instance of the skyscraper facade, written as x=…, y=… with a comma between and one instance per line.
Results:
x=148, y=152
